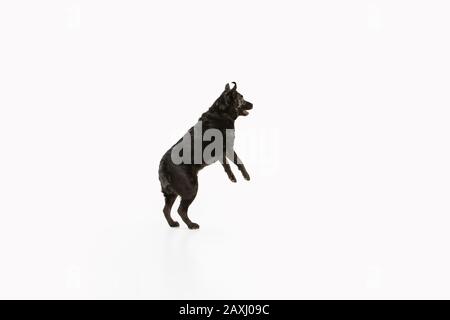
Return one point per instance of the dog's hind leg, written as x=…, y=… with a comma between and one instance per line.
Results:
x=170, y=199
x=183, y=212
x=185, y=184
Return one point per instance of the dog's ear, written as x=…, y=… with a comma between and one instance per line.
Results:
x=227, y=87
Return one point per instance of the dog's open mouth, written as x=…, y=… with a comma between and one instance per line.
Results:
x=243, y=111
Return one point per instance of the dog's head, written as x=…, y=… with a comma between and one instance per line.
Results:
x=233, y=103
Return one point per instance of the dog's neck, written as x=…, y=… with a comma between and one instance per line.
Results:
x=216, y=117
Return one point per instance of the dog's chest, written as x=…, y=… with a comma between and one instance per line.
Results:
x=229, y=138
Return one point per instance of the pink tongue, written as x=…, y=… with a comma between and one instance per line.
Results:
x=245, y=112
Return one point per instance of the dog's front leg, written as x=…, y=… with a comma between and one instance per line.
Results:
x=227, y=168
x=237, y=161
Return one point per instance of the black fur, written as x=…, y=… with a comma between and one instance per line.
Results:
x=181, y=179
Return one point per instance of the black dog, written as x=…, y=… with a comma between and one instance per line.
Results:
x=179, y=178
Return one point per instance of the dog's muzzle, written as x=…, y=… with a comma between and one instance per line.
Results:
x=243, y=110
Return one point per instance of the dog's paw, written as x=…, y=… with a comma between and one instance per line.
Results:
x=246, y=176
x=174, y=224
x=233, y=179
x=193, y=226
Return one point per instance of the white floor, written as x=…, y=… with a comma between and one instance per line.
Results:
x=273, y=243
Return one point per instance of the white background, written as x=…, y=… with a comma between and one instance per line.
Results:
x=347, y=146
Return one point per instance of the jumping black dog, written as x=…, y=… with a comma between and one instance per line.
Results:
x=179, y=178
